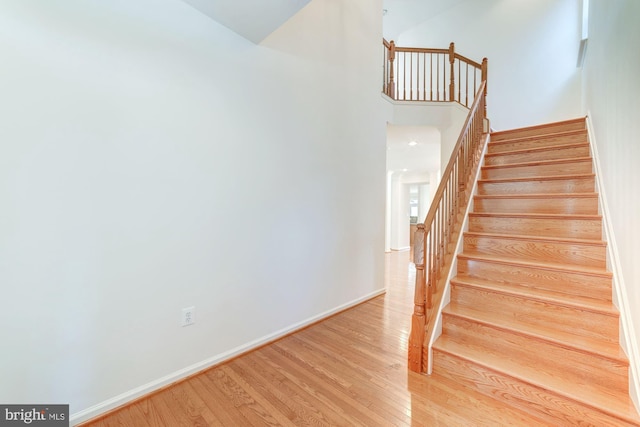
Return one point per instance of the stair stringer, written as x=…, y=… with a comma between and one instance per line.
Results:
x=627, y=332
x=453, y=268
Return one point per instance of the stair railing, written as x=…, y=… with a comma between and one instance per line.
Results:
x=433, y=240
x=424, y=74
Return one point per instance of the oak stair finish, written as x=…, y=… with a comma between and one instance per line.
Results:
x=531, y=320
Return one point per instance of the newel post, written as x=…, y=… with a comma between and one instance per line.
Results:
x=452, y=84
x=391, y=87
x=419, y=318
x=485, y=71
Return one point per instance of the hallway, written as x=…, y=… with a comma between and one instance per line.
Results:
x=349, y=370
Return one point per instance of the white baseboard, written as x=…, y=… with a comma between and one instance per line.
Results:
x=627, y=332
x=152, y=386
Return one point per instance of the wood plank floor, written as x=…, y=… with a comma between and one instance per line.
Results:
x=349, y=370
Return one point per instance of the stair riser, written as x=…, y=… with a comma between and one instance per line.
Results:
x=565, y=252
x=564, y=168
x=554, y=409
x=568, y=205
x=536, y=142
x=551, y=358
x=544, y=314
x=553, y=186
x=550, y=154
x=563, y=282
x=576, y=228
x=567, y=126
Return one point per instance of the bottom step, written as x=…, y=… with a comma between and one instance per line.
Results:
x=455, y=405
x=541, y=402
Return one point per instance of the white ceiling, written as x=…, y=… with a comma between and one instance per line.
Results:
x=421, y=158
x=256, y=19
x=402, y=15
x=252, y=19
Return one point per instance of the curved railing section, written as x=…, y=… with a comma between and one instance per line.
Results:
x=424, y=74
x=433, y=251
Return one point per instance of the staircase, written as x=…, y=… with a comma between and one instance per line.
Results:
x=531, y=320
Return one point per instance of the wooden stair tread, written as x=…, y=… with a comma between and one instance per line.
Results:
x=538, y=238
x=536, y=178
x=536, y=196
x=536, y=215
x=618, y=405
x=537, y=264
x=540, y=129
x=486, y=410
x=538, y=149
x=546, y=296
x=538, y=163
x=557, y=337
x=519, y=142
x=539, y=137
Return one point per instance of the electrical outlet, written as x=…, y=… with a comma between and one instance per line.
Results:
x=188, y=316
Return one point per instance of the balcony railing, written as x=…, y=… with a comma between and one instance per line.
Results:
x=425, y=74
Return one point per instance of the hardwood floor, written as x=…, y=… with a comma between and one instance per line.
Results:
x=349, y=370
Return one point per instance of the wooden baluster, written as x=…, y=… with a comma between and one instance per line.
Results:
x=461, y=173
x=475, y=83
x=429, y=254
x=452, y=84
x=485, y=71
x=454, y=184
x=404, y=76
x=447, y=211
x=411, y=76
x=419, y=317
x=424, y=76
x=391, y=88
x=437, y=77
x=459, y=85
x=432, y=254
x=452, y=201
x=436, y=249
x=466, y=100
x=444, y=77
x=431, y=76
x=440, y=247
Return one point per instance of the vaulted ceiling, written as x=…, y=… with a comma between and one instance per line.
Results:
x=401, y=15
x=252, y=19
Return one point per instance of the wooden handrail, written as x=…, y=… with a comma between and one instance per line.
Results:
x=429, y=74
x=433, y=238
x=421, y=50
x=470, y=61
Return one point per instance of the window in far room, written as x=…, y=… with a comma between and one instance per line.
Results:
x=585, y=33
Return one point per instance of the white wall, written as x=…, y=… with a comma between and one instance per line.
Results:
x=451, y=133
x=400, y=238
x=424, y=199
x=532, y=47
x=612, y=86
x=151, y=159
